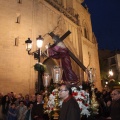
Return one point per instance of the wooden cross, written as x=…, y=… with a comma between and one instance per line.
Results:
x=70, y=53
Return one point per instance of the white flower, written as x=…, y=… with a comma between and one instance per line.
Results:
x=85, y=112
x=80, y=86
x=81, y=96
x=74, y=89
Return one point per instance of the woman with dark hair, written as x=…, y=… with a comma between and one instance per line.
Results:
x=5, y=106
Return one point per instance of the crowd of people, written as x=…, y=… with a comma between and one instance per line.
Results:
x=30, y=107
x=19, y=107
x=109, y=104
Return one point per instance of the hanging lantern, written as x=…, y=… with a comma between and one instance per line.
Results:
x=57, y=74
x=39, y=41
x=28, y=44
x=46, y=79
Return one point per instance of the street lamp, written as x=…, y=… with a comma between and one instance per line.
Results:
x=110, y=73
x=111, y=80
x=37, y=55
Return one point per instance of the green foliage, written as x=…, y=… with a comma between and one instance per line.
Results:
x=39, y=67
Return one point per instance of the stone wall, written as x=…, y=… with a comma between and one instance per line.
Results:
x=30, y=19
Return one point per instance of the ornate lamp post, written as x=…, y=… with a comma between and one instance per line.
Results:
x=110, y=78
x=94, y=103
x=57, y=76
x=46, y=83
x=37, y=55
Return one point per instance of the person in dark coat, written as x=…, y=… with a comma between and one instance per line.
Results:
x=37, y=110
x=107, y=109
x=115, y=107
x=28, y=113
x=70, y=109
x=5, y=105
x=12, y=112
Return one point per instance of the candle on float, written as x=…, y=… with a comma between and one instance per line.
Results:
x=46, y=81
x=56, y=76
x=90, y=72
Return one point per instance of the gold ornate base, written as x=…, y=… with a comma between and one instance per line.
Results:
x=94, y=102
x=55, y=116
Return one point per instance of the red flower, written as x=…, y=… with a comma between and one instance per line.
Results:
x=79, y=99
x=86, y=105
x=75, y=93
x=82, y=95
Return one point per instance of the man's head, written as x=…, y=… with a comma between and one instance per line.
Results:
x=56, y=38
x=13, y=105
x=65, y=91
x=33, y=98
x=21, y=103
x=39, y=98
x=30, y=105
x=27, y=97
x=115, y=94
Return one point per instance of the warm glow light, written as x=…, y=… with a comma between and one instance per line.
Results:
x=57, y=74
x=39, y=42
x=106, y=83
x=110, y=73
x=46, y=79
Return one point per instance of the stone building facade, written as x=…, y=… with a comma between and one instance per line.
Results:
x=20, y=19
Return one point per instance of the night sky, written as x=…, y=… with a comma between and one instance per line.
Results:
x=105, y=17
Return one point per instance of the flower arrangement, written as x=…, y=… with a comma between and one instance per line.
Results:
x=81, y=96
x=51, y=102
